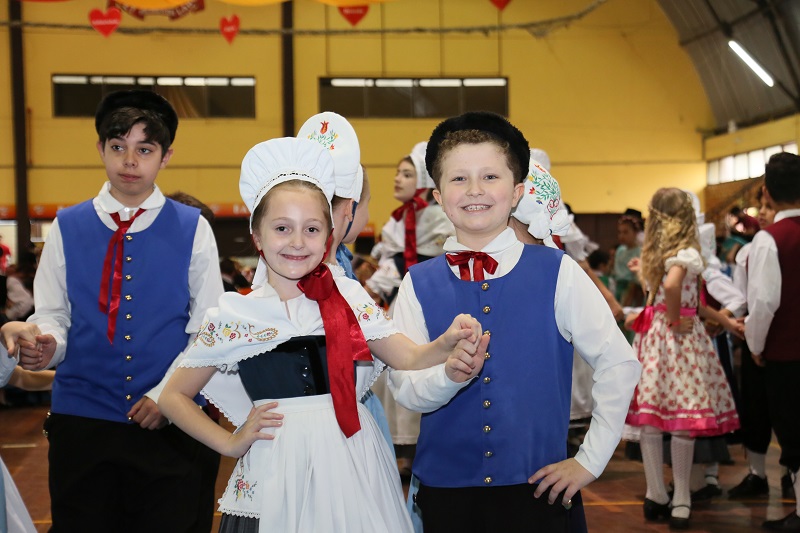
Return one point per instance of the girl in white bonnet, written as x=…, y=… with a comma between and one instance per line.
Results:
x=288, y=362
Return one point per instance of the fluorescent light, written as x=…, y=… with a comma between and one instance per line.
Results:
x=119, y=80
x=348, y=82
x=439, y=83
x=70, y=80
x=484, y=82
x=194, y=82
x=755, y=67
x=146, y=81
x=218, y=82
x=96, y=80
x=393, y=83
x=243, y=82
x=164, y=80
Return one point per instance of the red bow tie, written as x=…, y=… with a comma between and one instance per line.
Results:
x=410, y=209
x=481, y=262
x=114, y=286
x=344, y=341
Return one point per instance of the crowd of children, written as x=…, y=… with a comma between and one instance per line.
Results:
x=494, y=319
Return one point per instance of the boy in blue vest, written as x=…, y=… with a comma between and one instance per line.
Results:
x=497, y=450
x=773, y=299
x=122, y=286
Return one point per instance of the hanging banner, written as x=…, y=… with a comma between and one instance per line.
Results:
x=229, y=28
x=105, y=22
x=172, y=13
x=500, y=4
x=354, y=14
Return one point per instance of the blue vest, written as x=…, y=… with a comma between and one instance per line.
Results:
x=98, y=379
x=513, y=418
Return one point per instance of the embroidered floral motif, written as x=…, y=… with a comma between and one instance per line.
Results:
x=368, y=311
x=241, y=487
x=211, y=333
x=325, y=137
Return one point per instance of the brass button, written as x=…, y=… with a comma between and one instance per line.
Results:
x=487, y=404
x=485, y=286
x=128, y=277
x=128, y=259
x=127, y=337
x=486, y=310
x=487, y=379
x=487, y=480
x=129, y=316
x=488, y=454
x=128, y=357
x=487, y=332
x=487, y=356
x=128, y=238
x=487, y=429
x=128, y=378
x=128, y=297
x=128, y=397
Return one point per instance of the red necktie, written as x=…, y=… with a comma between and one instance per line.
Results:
x=410, y=209
x=481, y=262
x=114, y=286
x=344, y=341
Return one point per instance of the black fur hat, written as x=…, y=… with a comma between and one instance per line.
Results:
x=138, y=99
x=487, y=122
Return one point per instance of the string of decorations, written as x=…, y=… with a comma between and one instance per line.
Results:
x=537, y=29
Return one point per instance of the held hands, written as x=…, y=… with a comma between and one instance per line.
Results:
x=466, y=344
x=260, y=417
x=466, y=361
x=567, y=476
x=26, y=340
x=735, y=326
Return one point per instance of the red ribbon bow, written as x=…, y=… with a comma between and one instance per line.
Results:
x=482, y=261
x=116, y=284
x=410, y=209
x=343, y=349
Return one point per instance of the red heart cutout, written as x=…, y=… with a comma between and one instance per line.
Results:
x=229, y=28
x=106, y=22
x=354, y=14
x=500, y=4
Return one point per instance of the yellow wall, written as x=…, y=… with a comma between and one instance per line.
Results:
x=762, y=136
x=613, y=98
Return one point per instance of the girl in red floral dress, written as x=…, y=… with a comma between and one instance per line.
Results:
x=683, y=390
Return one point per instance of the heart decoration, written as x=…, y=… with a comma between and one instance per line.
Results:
x=106, y=22
x=500, y=4
x=229, y=27
x=354, y=14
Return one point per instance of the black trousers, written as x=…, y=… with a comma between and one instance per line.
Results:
x=783, y=396
x=754, y=412
x=109, y=476
x=508, y=509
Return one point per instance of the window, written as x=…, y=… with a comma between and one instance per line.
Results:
x=744, y=166
x=192, y=96
x=412, y=97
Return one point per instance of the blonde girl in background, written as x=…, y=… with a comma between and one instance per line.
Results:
x=683, y=389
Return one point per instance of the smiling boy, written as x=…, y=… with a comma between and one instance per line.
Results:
x=122, y=286
x=500, y=444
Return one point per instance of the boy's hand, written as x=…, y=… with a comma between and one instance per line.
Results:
x=736, y=327
x=19, y=335
x=466, y=360
x=145, y=412
x=260, y=417
x=463, y=327
x=39, y=357
x=635, y=265
x=567, y=476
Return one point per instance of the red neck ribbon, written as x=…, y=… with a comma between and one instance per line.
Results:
x=410, y=209
x=106, y=283
x=481, y=262
x=345, y=344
